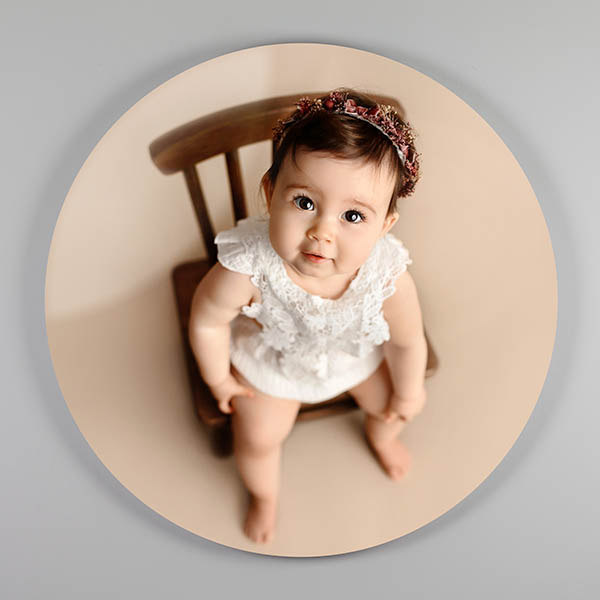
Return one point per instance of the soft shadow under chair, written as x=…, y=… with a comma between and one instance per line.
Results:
x=179, y=150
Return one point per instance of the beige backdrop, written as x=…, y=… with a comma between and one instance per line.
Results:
x=483, y=264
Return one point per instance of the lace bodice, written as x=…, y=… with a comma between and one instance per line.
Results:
x=302, y=327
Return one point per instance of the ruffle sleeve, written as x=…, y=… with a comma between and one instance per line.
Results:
x=238, y=248
x=396, y=261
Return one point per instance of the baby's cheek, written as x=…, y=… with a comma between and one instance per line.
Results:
x=355, y=255
x=277, y=239
x=284, y=246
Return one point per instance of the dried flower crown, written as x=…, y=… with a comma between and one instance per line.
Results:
x=381, y=116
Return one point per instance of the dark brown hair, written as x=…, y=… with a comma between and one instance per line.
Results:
x=344, y=136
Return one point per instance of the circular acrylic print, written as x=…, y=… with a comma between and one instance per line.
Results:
x=186, y=163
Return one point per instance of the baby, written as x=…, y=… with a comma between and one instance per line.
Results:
x=314, y=299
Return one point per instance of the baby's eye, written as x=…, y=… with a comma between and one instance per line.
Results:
x=354, y=216
x=304, y=203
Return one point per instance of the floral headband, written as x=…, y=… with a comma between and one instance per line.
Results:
x=382, y=116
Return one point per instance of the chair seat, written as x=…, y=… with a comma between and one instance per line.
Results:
x=185, y=278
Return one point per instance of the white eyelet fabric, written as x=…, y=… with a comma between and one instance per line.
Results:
x=297, y=345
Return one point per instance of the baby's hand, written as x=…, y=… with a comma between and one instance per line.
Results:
x=404, y=408
x=226, y=390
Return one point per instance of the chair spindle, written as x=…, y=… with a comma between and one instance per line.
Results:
x=195, y=189
x=235, y=183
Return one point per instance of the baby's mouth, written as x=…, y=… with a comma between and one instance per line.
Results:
x=315, y=258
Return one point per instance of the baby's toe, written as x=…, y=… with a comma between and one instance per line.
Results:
x=397, y=473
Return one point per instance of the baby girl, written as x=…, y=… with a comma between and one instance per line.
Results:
x=315, y=298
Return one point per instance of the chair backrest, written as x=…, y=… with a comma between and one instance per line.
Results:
x=224, y=132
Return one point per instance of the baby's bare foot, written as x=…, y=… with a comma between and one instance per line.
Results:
x=393, y=457
x=260, y=520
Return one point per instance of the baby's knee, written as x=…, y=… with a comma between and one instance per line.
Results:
x=256, y=440
x=261, y=423
x=373, y=395
x=258, y=433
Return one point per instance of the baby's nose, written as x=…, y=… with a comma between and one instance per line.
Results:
x=321, y=231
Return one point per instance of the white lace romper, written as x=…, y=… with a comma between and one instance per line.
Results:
x=297, y=345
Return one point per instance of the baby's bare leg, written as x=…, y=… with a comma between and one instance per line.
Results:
x=260, y=425
x=373, y=395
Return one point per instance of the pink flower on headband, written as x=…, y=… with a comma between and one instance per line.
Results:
x=350, y=106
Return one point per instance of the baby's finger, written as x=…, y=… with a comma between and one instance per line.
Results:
x=245, y=391
x=225, y=406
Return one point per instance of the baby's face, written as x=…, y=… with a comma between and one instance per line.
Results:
x=326, y=213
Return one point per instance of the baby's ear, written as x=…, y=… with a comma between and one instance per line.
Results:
x=267, y=187
x=389, y=222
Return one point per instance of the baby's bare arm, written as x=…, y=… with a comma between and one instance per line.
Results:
x=406, y=351
x=218, y=299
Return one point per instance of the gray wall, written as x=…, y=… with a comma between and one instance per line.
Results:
x=70, y=69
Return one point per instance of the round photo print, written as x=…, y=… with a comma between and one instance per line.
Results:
x=301, y=300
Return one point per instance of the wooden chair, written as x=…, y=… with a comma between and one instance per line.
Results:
x=179, y=150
